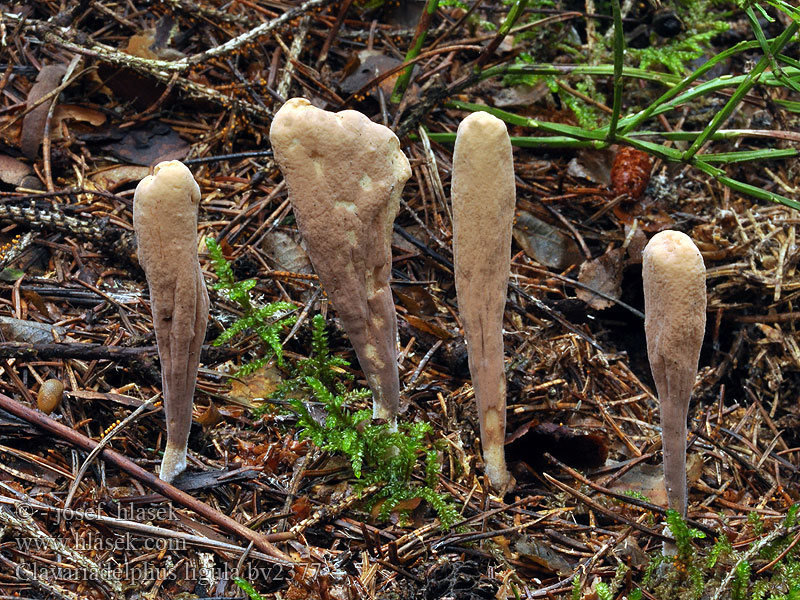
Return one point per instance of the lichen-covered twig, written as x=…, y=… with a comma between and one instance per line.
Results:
x=163, y=70
x=25, y=526
x=103, y=232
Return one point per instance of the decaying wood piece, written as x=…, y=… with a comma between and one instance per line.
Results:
x=345, y=175
x=674, y=278
x=165, y=219
x=484, y=196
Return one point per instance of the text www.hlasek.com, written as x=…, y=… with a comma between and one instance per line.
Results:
x=87, y=543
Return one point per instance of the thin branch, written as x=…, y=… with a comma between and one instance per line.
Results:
x=81, y=441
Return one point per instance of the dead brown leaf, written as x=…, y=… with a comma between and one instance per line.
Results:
x=48, y=79
x=603, y=274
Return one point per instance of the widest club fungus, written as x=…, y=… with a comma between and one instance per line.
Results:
x=483, y=194
x=674, y=279
x=345, y=175
x=165, y=219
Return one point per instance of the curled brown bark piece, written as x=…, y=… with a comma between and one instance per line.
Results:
x=165, y=219
x=484, y=195
x=674, y=278
x=33, y=123
x=345, y=175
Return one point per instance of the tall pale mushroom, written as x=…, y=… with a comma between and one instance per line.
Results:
x=345, y=175
x=674, y=279
x=483, y=194
x=165, y=219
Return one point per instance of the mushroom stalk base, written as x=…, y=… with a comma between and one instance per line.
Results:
x=668, y=548
x=173, y=463
x=495, y=461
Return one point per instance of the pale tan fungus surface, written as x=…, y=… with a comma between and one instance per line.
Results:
x=165, y=219
x=345, y=175
x=484, y=194
x=674, y=279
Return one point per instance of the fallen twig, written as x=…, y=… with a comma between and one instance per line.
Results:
x=77, y=439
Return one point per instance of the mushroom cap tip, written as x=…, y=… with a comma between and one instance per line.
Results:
x=670, y=238
x=486, y=122
x=482, y=140
x=300, y=128
x=297, y=102
x=672, y=249
x=171, y=174
x=170, y=166
x=292, y=104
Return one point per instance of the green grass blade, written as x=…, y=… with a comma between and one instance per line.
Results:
x=678, y=89
x=557, y=128
x=515, y=13
x=597, y=70
x=744, y=188
x=745, y=86
x=789, y=105
x=765, y=48
x=619, y=52
x=419, y=40
x=747, y=155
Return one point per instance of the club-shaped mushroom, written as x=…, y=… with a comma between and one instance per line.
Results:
x=345, y=175
x=674, y=278
x=483, y=195
x=165, y=219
